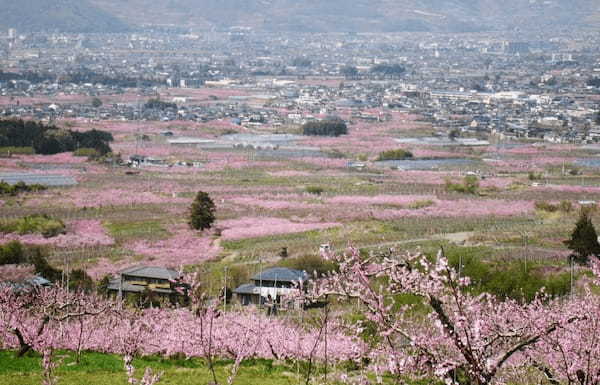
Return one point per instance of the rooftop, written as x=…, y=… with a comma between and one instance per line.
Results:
x=247, y=288
x=151, y=272
x=282, y=274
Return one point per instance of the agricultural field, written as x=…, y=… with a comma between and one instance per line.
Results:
x=270, y=199
x=500, y=211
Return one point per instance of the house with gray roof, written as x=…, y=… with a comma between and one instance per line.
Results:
x=136, y=280
x=276, y=285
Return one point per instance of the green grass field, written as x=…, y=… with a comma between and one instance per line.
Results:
x=105, y=369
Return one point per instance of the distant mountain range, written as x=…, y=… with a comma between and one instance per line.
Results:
x=57, y=15
x=302, y=15
x=360, y=15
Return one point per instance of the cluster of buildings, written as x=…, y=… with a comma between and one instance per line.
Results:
x=544, y=87
x=276, y=286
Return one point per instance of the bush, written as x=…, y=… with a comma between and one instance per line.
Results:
x=513, y=280
x=43, y=268
x=563, y=206
x=80, y=280
x=102, y=287
x=20, y=187
x=470, y=185
x=316, y=190
x=329, y=127
x=533, y=176
x=12, y=253
x=545, y=206
x=398, y=154
x=42, y=224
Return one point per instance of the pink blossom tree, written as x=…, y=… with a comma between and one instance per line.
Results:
x=35, y=315
x=461, y=338
x=571, y=356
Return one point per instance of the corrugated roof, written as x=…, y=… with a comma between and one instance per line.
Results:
x=281, y=274
x=151, y=272
x=43, y=179
x=247, y=288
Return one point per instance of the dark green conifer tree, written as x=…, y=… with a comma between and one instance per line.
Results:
x=584, y=239
x=202, y=212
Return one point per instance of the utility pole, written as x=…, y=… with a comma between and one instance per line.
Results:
x=260, y=282
x=120, y=290
x=572, y=274
x=526, y=244
x=225, y=289
x=67, y=270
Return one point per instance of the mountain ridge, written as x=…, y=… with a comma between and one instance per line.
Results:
x=362, y=15
x=301, y=15
x=79, y=16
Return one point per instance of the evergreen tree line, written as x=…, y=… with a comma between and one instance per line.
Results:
x=118, y=81
x=157, y=104
x=388, y=69
x=80, y=77
x=329, y=127
x=48, y=140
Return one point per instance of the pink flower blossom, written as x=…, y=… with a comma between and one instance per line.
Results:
x=15, y=273
x=81, y=233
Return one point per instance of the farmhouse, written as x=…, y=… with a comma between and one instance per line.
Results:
x=277, y=284
x=142, y=279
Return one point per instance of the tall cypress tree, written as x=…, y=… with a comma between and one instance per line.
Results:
x=584, y=239
x=202, y=212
